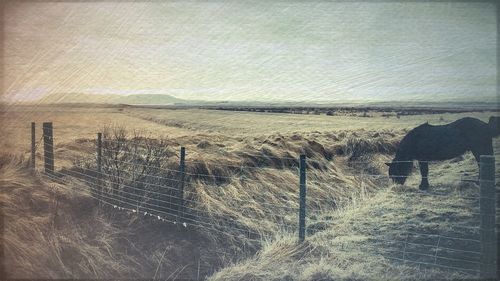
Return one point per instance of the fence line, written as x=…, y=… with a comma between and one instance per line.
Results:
x=133, y=208
x=405, y=259
x=395, y=176
x=235, y=177
x=145, y=191
x=144, y=202
x=164, y=187
x=428, y=245
x=128, y=152
x=122, y=193
x=128, y=186
x=156, y=216
x=120, y=177
x=240, y=166
x=132, y=142
x=172, y=170
x=160, y=186
x=249, y=167
x=403, y=161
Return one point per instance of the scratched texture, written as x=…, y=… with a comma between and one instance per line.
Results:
x=295, y=51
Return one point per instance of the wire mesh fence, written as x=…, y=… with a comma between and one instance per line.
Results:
x=141, y=176
x=458, y=247
x=138, y=182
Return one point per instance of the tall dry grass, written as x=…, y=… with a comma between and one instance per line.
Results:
x=239, y=181
x=227, y=196
x=58, y=231
x=348, y=245
x=247, y=190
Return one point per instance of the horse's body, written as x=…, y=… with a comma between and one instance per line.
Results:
x=434, y=143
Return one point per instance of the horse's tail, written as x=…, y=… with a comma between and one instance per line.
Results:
x=494, y=124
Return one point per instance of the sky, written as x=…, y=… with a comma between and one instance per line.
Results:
x=252, y=51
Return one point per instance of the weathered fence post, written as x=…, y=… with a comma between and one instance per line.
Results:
x=180, y=191
x=48, y=147
x=99, y=152
x=33, y=146
x=302, y=203
x=487, y=202
x=99, y=165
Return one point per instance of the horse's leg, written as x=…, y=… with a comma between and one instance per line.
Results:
x=485, y=148
x=424, y=172
x=477, y=154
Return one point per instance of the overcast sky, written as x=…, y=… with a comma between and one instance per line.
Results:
x=252, y=51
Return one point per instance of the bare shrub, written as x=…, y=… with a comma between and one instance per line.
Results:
x=138, y=170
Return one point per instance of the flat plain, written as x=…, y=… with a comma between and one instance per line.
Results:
x=359, y=224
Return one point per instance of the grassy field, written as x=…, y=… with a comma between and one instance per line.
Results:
x=350, y=219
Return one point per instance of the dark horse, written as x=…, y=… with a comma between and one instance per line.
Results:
x=434, y=143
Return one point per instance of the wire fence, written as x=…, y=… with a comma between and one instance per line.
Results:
x=124, y=185
x=143, y=177
x=456, y=247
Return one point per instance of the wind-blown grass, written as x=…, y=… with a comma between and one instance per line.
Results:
x=243, y=181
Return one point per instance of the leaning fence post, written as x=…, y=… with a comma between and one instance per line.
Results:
x=180, y=191
x=487, y=202
x=33, y=145
x=48, y=147
x=99, y=164
x=302, y=202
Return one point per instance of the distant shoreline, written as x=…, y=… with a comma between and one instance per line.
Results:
x=295, y=108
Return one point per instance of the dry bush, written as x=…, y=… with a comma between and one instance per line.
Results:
x=137, y=172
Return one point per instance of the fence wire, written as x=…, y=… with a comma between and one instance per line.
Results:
x=149, y=195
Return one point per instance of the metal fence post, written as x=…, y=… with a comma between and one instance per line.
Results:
x=180, y=191
x=33, y=146
x=487, y=205
x=99, y=165
x=99, y=152
x=302, y=203
x=48, y=147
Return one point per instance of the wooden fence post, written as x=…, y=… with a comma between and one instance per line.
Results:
x=302, y=203
x=99, y=165
x=487, y=202
x=48, y=147
x=33, y=146
x=180, y=191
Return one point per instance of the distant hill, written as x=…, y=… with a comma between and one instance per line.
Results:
x=157, y=99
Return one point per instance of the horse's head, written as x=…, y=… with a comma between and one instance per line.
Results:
x=399, y=170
